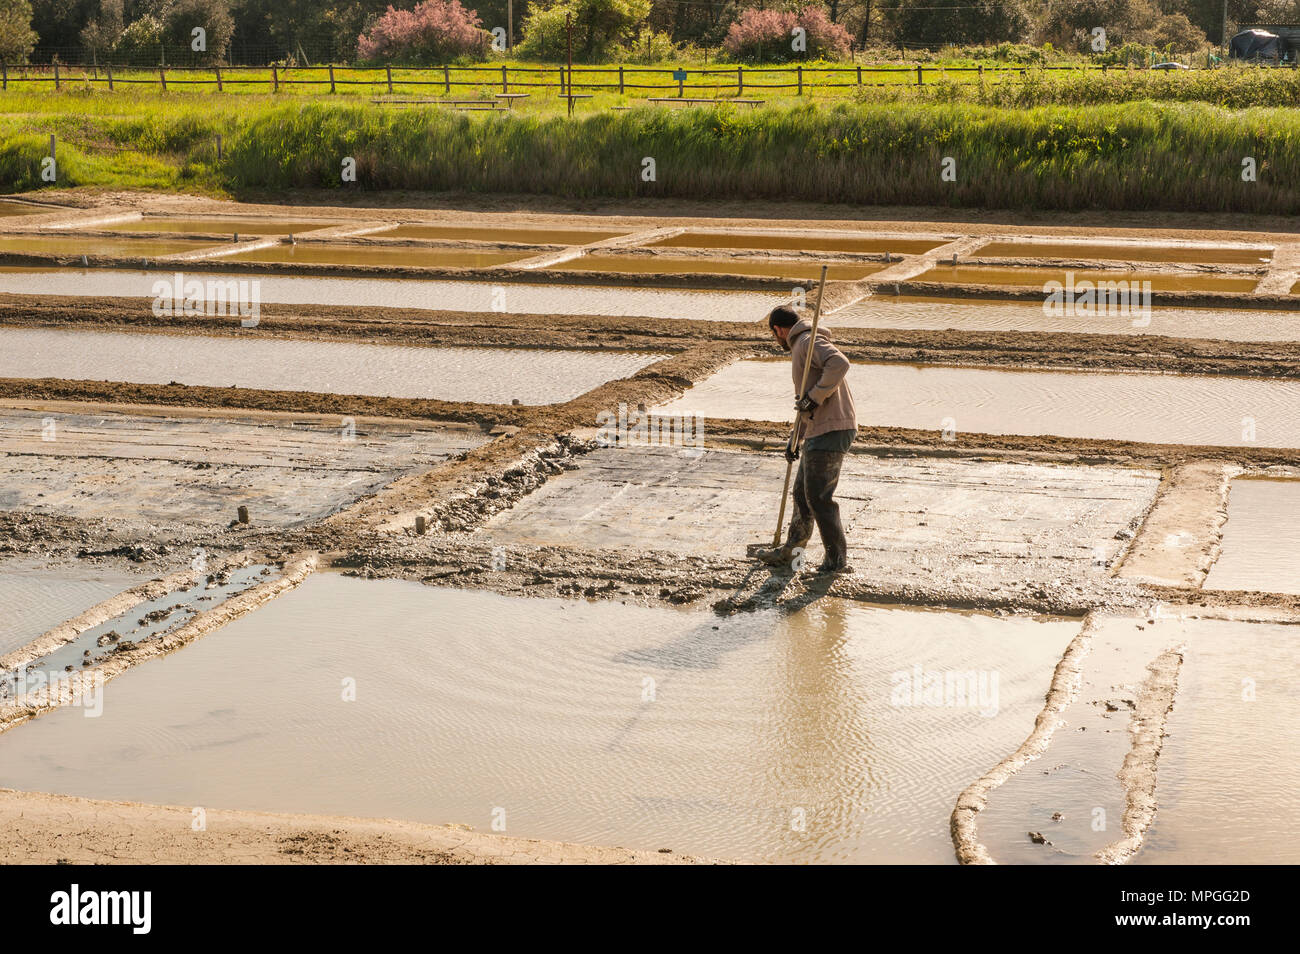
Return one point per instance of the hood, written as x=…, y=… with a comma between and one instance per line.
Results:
x=802, y=327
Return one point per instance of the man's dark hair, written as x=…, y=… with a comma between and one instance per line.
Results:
x=782, y=316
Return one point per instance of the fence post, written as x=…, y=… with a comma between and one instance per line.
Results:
x=218, y=145
x=332, y=87
x=563, y=91
x=740, y=81
x=275, y=79
x=4, y=71
x=859, y=76
x=162, y=75
x=56, y=74
x=919, y=78
x=389, y=70
x=220, y=88
x=446, y=79
x=799, y=70
x=108, y=70
x=620, y=81
x=681, y=85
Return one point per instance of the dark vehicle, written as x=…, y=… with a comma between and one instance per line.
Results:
x=1169, y=66
x=1256, y=44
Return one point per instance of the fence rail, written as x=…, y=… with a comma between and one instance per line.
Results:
x=612, y=78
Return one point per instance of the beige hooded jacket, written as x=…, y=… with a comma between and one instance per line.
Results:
x=826, y=381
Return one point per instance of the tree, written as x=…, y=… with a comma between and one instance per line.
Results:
x=101, y=34
x=599, y=28
x=212, y=16
x=17, y=38
x=968, y=22
x=1069, y=24
x=435, y=32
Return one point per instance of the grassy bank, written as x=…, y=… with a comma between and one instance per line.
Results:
x=1110, y=156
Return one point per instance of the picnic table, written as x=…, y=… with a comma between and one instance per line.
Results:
x=510, y=98
x=469, y=103
x=454, y=103
x=705, y=102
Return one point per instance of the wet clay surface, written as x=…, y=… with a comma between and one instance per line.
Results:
x=153, y=468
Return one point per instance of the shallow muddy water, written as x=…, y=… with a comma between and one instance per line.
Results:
x=224, y=225
x=8, y=209
x=794, y=241
x=513, y=298
x=1261, y=540
x=1157, y=408
x=664, y=265
x=407, y=256
x=1228, y=781
x=966, y=315
x=1039, y=277
x=488, y=375
x=143, y=622
x=35, y=598
x=1072, y=794
x=1126, y=253
x=521, y=235
x=1228, y=775
x=97, y=245
x=764, y=736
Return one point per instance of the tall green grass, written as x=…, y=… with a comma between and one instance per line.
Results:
x=1145, y=155
x=1129, y=156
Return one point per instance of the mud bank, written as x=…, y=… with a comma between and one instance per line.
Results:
x=59, y=829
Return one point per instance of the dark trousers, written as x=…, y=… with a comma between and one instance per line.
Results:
x=814, y=502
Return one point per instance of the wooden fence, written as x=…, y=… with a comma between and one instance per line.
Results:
x=620, y=79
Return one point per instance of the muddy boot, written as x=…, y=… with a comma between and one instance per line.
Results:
x=772, y=556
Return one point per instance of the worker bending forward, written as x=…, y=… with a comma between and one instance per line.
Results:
x=827, y=424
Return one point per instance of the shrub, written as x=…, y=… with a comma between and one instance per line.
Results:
x=768, y=36
x=433, y=33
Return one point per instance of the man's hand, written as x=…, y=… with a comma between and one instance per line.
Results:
x=791, y=453
x=806, y=405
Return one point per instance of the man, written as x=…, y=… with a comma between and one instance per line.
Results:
x=827, y=424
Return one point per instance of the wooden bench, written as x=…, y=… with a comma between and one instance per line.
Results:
x=510, y=98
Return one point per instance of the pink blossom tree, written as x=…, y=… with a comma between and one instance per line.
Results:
x=768, y=36
x=433, y=33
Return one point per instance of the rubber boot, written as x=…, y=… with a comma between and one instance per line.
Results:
x=836, y=545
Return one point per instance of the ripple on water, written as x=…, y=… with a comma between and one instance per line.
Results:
x=591, y=722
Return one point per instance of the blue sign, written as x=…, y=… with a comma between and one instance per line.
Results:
x=679, y=75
